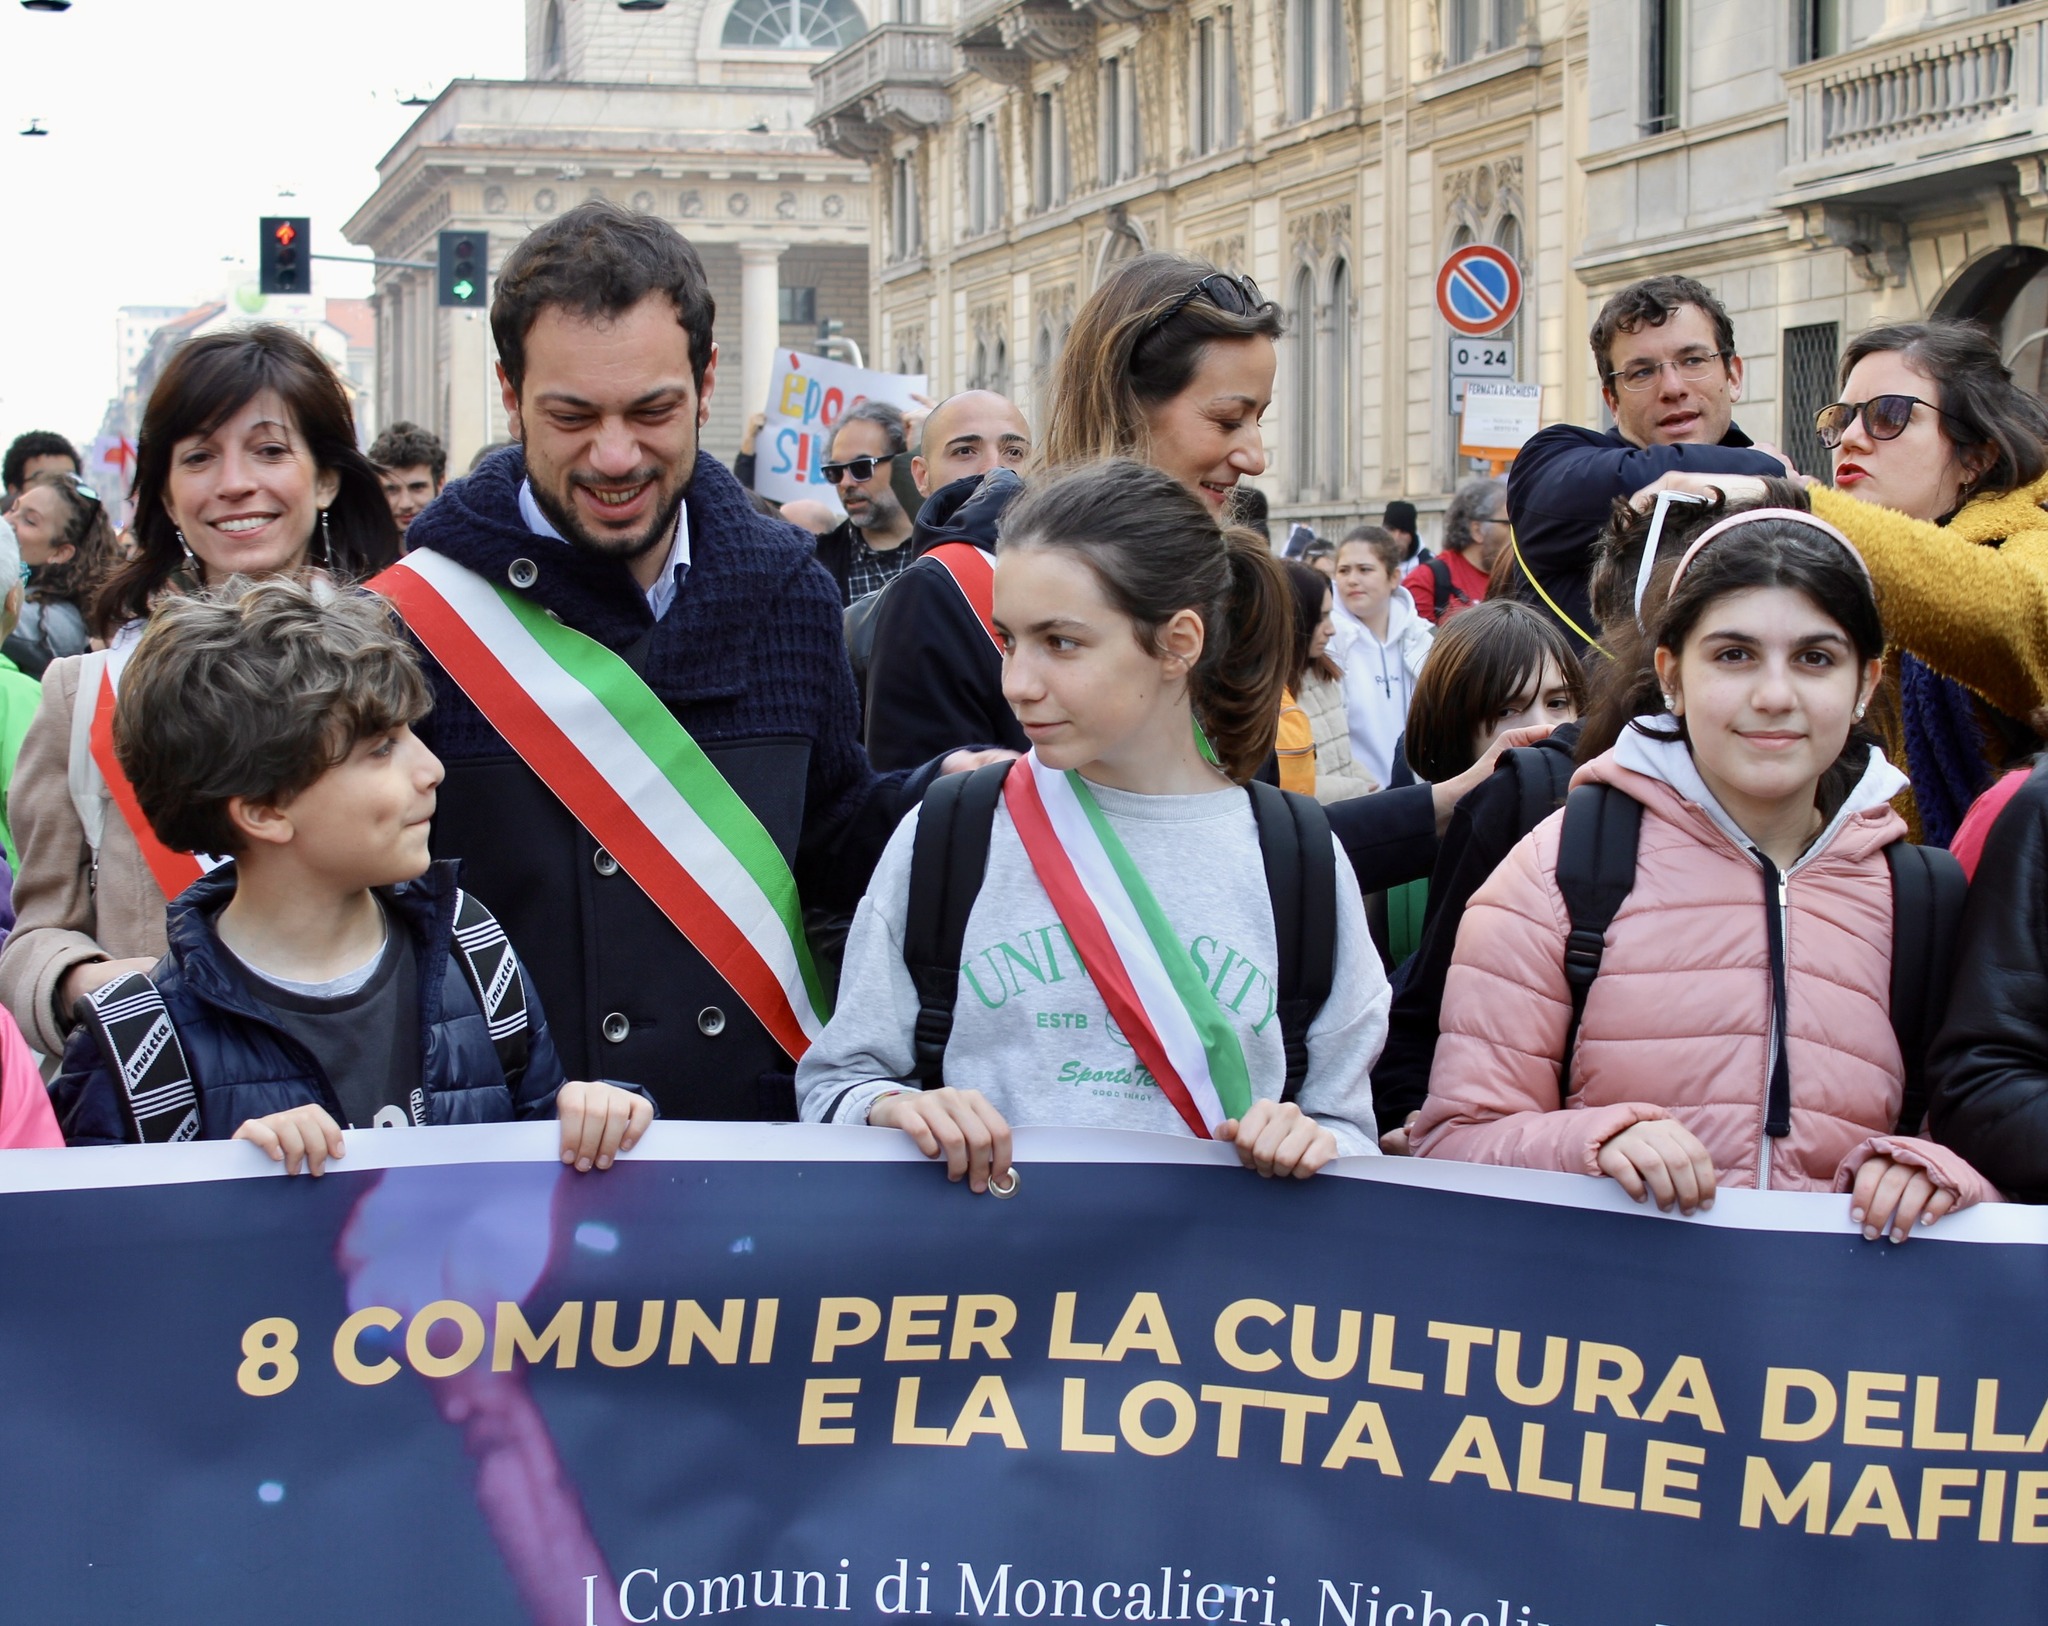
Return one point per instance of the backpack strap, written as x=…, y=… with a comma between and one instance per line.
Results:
x=1596, y=871
x=1301, y=880
x=139, y=1045
x=948, y=858
x=480, y=947
x=1928, y=893
x=1543, y=775
x=1447, y=591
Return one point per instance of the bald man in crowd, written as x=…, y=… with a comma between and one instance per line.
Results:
x=935, y=671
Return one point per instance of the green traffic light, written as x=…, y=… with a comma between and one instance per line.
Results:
x=463, y=289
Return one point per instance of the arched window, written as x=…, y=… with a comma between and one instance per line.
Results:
x=978, y=379
x=1043, y=355
x=999, y=380
x=1334, y=373
x=1306, y=432
x=552, y=53
x=793, y=25
x=1507, y=237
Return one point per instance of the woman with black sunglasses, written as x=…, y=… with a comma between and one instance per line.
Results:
x=1940, y=469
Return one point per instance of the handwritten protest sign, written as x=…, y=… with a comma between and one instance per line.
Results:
x=807, y=396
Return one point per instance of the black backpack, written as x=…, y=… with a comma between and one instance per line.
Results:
x=1447, y=593
x=950, y=857
x=139, y=1044
x=1596, y=871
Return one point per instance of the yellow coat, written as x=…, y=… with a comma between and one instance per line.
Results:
x=1970, y=598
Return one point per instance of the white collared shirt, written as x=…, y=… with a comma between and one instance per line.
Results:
x=663, y=593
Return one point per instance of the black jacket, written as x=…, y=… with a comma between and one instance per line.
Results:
x=1989, y=1065
x=751, y=661
x=934, y=678
x=1483, y=828
x=246, y=1066
x=1561, y=492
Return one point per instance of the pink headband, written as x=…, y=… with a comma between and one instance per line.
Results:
x=1797, y=516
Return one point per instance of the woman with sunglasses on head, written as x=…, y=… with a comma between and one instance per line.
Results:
x=247, y=465
x=67, y=551
x=1940, y=469
x=1171, y=361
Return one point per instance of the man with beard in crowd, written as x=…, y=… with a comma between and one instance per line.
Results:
x=865, y=551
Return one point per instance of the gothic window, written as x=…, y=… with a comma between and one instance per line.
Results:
x=793, y=25
x=1475, y=28
x=1043, y=356
x=1333, y=379
x=978, y=379
x=551, y=49
x=1507, y=237
x=1306, y=433
x=999, y=376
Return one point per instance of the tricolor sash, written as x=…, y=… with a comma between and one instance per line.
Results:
x=1147, y=979
x=173, y=871
x=974, y=573
x=631, y=775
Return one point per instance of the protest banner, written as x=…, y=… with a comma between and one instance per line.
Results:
x=784, y=1371
x=807, y=396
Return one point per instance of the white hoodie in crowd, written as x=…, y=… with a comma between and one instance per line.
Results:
x=1029, y=1029
x=1379, y=678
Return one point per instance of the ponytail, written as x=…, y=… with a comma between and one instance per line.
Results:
x=1158, y=549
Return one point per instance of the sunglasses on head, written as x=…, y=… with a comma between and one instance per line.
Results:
x=861, y=468
x=1884, y=417
x=1230, y=293
x=85, y=491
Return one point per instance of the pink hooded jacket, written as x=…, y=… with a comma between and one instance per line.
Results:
x=1677, y=1025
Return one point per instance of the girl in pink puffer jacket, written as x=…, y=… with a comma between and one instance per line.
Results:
x=1760, y=795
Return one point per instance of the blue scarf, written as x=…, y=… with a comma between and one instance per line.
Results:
x=1944, y=748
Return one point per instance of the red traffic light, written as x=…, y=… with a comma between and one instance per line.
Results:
x=286, y=234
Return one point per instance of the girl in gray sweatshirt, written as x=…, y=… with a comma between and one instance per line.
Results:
x=1120, y=956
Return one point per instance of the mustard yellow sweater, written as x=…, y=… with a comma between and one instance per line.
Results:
x=1973, y=612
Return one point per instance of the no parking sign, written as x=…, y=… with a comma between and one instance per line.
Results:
x=1479, y=289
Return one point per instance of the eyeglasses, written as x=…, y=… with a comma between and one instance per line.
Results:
x=1693, y=366
x=1233, y=294
x=861, y=468
x=1884, y=416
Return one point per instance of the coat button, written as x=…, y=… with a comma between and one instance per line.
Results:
x=522, y=573
x=604, y=863
x=711, y=1021
x=616, y=1027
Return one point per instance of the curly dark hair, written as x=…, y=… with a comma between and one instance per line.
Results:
x=26, y=448
x=407, y=446
x=1651, y=303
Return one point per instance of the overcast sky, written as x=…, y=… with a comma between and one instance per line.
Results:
x=174, y=125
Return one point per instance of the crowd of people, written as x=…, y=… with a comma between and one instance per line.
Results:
x=1627, y=833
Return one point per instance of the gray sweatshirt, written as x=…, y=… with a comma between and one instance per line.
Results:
x=1030, y=1031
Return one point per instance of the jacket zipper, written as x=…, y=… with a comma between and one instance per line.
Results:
x=1778, y=1067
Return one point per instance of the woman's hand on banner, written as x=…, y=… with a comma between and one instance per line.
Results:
x=599, y=1121
x=957, y=1125
x=1894, y=1197
x=1278, y=1138
x=303, y=1135
x=1663, y=1159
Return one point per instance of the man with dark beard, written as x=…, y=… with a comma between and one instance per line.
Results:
x=640, y=689
x=866, y=551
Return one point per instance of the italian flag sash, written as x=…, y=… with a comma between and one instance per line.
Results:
x=173, y=871
x=604, y=743
x=974, y=573
x=1144, y=973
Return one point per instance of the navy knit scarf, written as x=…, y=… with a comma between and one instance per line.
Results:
x=1944, y=748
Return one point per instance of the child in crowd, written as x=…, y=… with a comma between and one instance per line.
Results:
x=1380, y=643
x=316, y=982
x=1119, y=966
x=1499, y=665
x=1314, y=745
x=1738, y=1029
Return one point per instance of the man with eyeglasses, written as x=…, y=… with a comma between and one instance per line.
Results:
x=1665, y=350
x=865, y=551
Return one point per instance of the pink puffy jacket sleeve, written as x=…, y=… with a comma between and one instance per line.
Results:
x=1947, y=1168
x=1493, y=1090
x=25, y=1115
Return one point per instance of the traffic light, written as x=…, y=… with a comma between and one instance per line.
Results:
x=285, y=254
x=465, y=267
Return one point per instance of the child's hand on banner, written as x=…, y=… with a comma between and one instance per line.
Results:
x=1661, y=1158
x=1277, y=1137
x=304, y=1134
x=599, y=1121
x=957, y=1125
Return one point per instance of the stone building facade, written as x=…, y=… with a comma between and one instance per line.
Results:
x=697, y=112
x=1823, y=164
